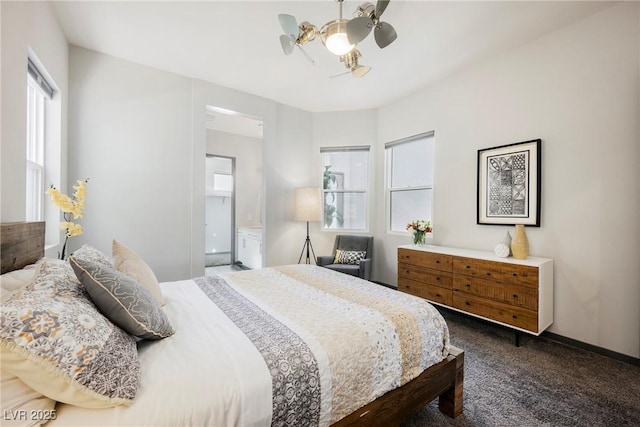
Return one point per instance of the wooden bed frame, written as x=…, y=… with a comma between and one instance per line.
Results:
x=22, y=243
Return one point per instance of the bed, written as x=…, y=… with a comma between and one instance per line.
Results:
x=288, y=345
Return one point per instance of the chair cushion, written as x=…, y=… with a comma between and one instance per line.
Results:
x=351, y=269
x=349, y=257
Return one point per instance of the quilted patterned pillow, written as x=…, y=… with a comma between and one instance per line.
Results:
x=349, y=257
x=128, y=262
x=55, y=340
x=123, y=300
x=89, y=253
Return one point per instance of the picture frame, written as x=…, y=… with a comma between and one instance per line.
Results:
x=509, y=184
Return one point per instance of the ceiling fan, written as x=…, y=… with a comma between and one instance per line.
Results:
x=351, y=62
x=340, y=36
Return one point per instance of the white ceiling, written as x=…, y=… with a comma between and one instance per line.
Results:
x=235, y=43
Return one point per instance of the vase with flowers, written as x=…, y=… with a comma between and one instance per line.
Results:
x=419, y=228
x=72, y=208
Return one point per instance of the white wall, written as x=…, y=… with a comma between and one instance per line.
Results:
x=27, y=25
x=287, y=167
x=578, y=90
x=129, y=133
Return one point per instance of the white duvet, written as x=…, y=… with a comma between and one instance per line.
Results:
x=365, y=340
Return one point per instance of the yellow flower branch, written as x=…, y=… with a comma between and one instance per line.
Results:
x=72, y=208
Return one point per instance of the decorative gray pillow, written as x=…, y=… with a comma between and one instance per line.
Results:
x=89, y=253
x=56, y=341
x=122, y=300
x=349, y=257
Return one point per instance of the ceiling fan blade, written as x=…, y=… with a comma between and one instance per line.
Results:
x=358, y=29
x=289, y=25
x=381, y=5
x=384, y=34
x=333, y=76
x=287, y=44
x=360, y=71
x=306, y=54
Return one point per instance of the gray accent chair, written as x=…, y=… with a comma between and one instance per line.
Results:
x=350, y=243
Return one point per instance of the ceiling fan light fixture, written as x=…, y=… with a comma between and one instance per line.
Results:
x=340, y=36
x=334, y=37
x=306, y=32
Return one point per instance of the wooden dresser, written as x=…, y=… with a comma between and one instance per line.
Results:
x=514, y=293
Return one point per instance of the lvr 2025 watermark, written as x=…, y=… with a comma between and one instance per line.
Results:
x=29, y=415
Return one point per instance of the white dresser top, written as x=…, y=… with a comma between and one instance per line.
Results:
x=473, y=253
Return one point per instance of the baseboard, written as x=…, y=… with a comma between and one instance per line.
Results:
x=559, y=338
x=592, y=348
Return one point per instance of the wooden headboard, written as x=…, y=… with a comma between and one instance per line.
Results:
x=21, y=244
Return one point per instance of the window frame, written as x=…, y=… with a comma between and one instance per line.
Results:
x=362, y=190
x=388, y=178
x=36, y=130
x=52, y=147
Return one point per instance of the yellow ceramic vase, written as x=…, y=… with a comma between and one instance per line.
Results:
x=520, y=243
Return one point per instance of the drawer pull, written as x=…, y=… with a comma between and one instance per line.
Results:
x=515, y=274
x=467, y=303
x=437, y=278
x=437, y=261
x=439, y=296
x=515, y=296
x=468, y=286
x=488, y=274
x=467, y=266
x=514, y=316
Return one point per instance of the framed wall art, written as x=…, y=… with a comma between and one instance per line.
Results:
x=509, y=184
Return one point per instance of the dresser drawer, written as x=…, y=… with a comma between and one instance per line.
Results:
x=425, y=275
x=423, y=290
x=519, y=275
x=477, y=268
x=425, y=259
x=521, y=296
x=505, y=313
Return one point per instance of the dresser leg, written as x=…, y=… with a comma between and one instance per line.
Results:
x=516, y=338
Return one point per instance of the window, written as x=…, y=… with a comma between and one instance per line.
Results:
x=409, y=165
x=219, y=177
x=223, y=182
x=39, y=92
x=345, y=181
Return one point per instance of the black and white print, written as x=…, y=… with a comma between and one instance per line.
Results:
x=509, y=184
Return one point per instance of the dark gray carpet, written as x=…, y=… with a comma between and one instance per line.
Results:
x=540, y=383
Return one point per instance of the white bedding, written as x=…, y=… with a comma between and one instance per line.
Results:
x=210, y=373
x=230, y=373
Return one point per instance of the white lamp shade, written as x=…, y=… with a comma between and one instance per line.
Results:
x=307, y=204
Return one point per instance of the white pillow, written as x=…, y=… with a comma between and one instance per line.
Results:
x=22, y=405
x=128, y=262
x=14, y=280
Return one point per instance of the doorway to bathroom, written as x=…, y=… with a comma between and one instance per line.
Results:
x=219, y=211
x=237, y=139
